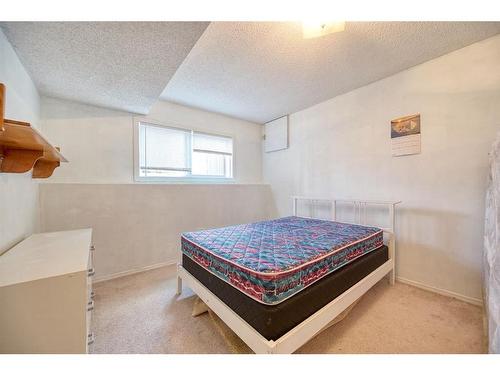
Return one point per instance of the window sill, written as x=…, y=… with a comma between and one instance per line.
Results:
x=184, y=180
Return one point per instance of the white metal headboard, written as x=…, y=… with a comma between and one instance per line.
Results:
x=360, y=209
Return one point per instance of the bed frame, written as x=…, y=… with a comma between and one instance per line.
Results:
x=307, y=329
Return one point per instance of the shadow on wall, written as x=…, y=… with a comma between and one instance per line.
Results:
x=61, y=109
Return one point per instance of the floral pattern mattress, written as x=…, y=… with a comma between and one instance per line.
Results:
x=272, y=260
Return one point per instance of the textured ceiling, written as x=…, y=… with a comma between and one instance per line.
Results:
x=260, y=71
x=252, y=70
x=121, y=65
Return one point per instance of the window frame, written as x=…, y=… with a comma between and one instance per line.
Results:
x=193, y=179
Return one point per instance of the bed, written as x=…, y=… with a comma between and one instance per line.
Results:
x=278, y=283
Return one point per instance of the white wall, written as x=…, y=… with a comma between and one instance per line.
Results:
x=98, y=142
x=18, y=192
x=138, y=225
x=341, y=148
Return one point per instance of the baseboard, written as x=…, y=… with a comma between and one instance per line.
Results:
x=444, y=292
x=99, y=279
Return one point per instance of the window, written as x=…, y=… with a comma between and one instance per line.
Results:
x=166, y=152
x=212, y=155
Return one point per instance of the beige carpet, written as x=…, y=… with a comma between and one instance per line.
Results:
x=141, y=314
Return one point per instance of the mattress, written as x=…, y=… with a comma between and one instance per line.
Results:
x=273, y=321
x=272, y=260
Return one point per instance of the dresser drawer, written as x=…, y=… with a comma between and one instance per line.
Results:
x=90, y=272
x=90, y=297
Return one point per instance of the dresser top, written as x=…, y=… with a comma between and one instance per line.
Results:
x=45, y=255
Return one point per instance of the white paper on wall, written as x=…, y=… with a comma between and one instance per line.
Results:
x=276, y=134
x=407, y=145
x=491, y=258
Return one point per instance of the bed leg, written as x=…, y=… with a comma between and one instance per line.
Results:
x=392, y=277
x=392, y=255
x=179, y=285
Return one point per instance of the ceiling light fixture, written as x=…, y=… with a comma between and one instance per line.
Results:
x=317, y=29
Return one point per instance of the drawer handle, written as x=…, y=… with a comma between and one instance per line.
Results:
x=90, y=306
x=92, y=248
x=91, y=272
x=92, y=295
x=90, y=338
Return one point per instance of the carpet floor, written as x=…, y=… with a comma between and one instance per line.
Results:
x=140, y=313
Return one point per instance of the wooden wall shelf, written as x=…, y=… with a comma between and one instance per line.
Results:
x=23, y=148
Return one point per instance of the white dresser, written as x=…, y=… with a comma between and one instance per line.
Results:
x=46, y=298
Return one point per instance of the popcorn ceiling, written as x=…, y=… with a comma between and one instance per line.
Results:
x=119, y=65
x=256, y=71
x=260, y=71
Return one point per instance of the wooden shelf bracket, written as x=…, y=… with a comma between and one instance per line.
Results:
x=44, y=168
x=18, y=161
